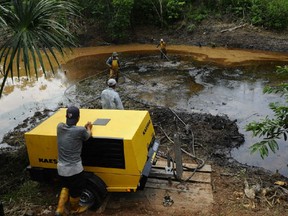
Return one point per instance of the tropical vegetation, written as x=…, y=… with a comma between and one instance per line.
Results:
x=118, y=17
x=31, y=29
x=272, y=129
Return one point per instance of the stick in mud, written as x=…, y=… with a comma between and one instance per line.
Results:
x=164, y=54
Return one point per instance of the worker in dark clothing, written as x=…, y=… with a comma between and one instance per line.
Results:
x=163, y=50
x=114, y=65
x=69, y=166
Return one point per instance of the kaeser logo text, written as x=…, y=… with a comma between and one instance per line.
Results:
x=46, y=160
x=146, y=127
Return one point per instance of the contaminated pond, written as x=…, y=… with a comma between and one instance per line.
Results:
x=193, y=79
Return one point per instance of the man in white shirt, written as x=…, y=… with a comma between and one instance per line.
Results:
x=110, y=98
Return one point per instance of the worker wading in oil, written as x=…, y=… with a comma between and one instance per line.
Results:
x=114, y=65
x=69, y=166
x=110, y=99
x=162, y=45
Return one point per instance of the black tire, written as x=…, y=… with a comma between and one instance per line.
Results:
x=94, y=193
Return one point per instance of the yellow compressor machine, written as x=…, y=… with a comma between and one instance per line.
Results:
x=117, y=158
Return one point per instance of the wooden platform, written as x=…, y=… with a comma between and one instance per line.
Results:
x=164, y=195
x=202, y=175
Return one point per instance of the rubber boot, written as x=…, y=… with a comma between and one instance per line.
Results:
x=75, y=207
x=63, y=198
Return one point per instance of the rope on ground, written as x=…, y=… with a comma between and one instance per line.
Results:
x=89, y=101
x=125, y=75
x=164, y=55
x=76, y=83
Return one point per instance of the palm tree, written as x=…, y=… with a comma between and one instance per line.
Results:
x=2, y=21
x=32, y=29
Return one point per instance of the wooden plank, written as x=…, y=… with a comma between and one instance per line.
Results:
x=160, y=173
x=173, y=185
x=178, y=156
x=197, y=177
x=201, y=177
x=205, y=168
x=163, y=164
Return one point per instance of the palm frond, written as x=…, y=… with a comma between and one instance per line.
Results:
x=34, y=29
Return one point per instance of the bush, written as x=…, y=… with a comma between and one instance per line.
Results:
x=175, y=9
x=277, y=14
x=198, y=14
x=191, y=28
x=120, y=26
x=272, y=14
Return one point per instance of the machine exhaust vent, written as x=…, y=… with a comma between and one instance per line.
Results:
x=102, y=152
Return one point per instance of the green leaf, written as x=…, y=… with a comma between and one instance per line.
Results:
x=273, y=145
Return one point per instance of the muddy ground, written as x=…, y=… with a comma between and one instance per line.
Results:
x=214, y=137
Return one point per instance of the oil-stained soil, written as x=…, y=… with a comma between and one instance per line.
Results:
x=237, y=189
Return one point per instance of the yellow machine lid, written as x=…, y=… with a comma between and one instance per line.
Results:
x=106, y=123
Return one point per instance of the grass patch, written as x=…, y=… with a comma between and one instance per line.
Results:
x=30, y=192
x=30, y=198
